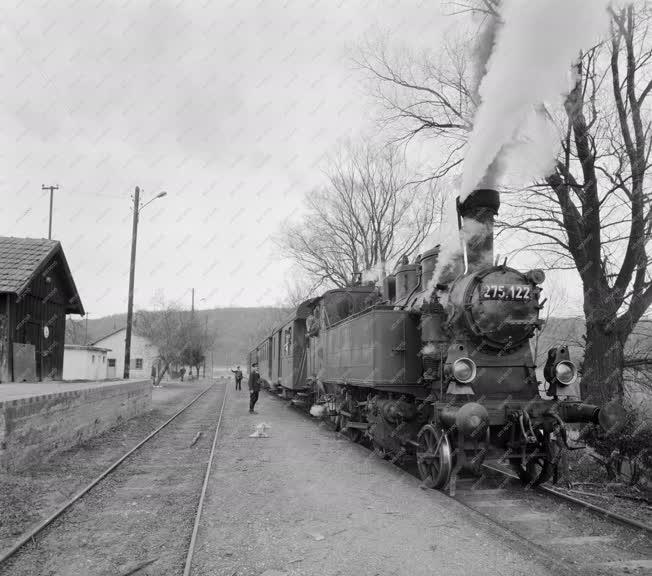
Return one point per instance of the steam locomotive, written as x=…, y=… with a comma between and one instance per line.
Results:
x=435, y=365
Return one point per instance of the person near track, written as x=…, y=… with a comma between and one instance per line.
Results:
x=254, y=387
x=238, y=378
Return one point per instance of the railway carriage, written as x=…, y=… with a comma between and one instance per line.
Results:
x=436, y=363
x=262, y=355
x=281, y=356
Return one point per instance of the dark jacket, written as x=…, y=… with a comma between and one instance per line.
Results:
x=238, y=374
x=254, y=381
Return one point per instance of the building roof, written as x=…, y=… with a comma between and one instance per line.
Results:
x=124, y=328
x=21, y=260
x=89, y=348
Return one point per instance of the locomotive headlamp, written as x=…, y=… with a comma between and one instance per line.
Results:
x=559, y=371
x=565, y=372
x=464, y=370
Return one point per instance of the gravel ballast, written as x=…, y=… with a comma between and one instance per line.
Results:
x=307, y=501
x=28, y=497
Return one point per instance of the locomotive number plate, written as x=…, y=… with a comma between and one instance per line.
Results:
x=517, y=292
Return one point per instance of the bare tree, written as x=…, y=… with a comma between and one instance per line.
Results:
x=166, y=328
x=370, y=213
x=298, y=289
x=592, y=214
x=199, y=340
x=265, y=328
x=425, y=97
x=75, y=331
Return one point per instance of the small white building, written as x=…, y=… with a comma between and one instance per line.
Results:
x=85, y=362
x=144, y=355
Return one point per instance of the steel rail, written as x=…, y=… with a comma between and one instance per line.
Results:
x=30, y=535
x=200, y=505
x=548, y=490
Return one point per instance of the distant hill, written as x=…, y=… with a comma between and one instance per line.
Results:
x=236, y=330
x=570, y=331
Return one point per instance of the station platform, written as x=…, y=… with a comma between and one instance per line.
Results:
x=39, y=418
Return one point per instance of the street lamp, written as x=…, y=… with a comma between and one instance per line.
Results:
x=132, y=269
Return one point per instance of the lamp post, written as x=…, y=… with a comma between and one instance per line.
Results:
x=132, y=270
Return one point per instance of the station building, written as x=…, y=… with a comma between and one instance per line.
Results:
x=85, y=362
x=37, y=291
x=143, y=355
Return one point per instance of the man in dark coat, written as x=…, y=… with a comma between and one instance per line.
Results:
x=238, y=378
x=254, y=387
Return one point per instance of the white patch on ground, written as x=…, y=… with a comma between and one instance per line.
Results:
x=317, y=410
x=261, y=431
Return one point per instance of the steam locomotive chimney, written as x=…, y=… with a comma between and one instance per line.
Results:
x=478, y=212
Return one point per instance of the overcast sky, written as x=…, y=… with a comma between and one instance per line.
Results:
x=230, y=107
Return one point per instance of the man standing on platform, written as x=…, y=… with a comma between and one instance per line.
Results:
x=254, y=387
x=238, y=378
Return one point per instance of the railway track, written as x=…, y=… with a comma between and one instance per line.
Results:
x=141, y=515
x=569, y=534
x=631, y=522
x=573, y=535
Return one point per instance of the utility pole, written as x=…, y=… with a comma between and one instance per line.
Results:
x=51, y=189
x=132, y=270
x=86, y=332
x=205, y=342
x=192, y=320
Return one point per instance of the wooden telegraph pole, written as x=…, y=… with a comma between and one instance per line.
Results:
x=51, y=189
x=132, y=269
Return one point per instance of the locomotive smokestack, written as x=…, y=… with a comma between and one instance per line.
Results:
x=478, y=212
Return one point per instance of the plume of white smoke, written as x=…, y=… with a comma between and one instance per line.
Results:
x=482, y=49
x=535, y=47
x=447, y=236
x=374, y=274
x=533, y=151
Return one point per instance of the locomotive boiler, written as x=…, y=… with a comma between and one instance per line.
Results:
x=435, y=365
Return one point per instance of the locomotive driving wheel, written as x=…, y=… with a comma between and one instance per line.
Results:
x=434, y=458
x=347, y=411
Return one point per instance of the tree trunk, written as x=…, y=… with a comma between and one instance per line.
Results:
x=162, y=373
x=602, y=376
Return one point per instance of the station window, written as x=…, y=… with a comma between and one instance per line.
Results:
x=139, y=363
x=111, y=362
